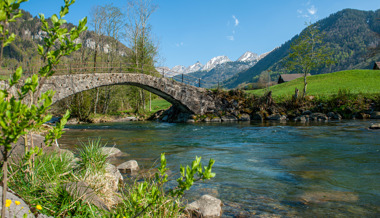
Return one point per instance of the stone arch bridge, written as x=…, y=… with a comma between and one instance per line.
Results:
x=188, y=99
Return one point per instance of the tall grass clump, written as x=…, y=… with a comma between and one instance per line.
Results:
x=92, y=169
x=92, y=159
x=41, y=182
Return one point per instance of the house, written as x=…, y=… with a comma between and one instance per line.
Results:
x=289, y=77
x=376, y=66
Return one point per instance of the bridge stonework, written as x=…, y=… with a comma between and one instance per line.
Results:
x=186, y=98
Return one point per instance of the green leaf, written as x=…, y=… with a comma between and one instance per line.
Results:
x=3, y=15
x=40, y=50
x=64, y=11
x=54, y=18
x=10, y=39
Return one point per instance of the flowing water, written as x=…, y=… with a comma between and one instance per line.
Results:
x=262, y=169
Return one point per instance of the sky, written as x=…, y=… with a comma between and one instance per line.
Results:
x=188, y=31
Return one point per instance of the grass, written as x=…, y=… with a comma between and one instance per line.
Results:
x=159, y=104
x=92, y=158
x=354, y=81
x=41, y=183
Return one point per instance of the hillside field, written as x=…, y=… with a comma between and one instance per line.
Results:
x=352, y=81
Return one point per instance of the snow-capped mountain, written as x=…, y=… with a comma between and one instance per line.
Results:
x=216, y=70
x=211, y=64
x=248, y=57
x=179, y=69
x=193, y=68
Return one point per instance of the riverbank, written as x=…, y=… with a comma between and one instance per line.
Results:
x=236, y=105
x=60, y=180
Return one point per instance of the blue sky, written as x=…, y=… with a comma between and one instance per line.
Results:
x=198, y=30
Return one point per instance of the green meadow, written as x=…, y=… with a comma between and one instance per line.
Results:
x=323, y=85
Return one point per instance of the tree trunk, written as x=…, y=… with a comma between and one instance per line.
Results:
x=1, y=54
x=305, y=86
x=150, y=101
x=143, y=99
x=96, y=100
x=5, y=181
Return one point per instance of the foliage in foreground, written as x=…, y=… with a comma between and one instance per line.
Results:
x=43, y=183
x=23, y=108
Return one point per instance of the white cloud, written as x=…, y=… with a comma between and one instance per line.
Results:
x=236, y=20
x=235, y=24
x=312, y=10
x=179, y=44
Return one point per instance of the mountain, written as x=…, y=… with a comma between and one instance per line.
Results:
x=179, y=69
x=29, y=34
x=216, y=70
x=248, y=57
x=194, y=68
x=214, y=62
x=349, y=33
x=221, y=68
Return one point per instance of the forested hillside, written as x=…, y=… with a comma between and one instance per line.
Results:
x=101, y=50
x=28, y=35
x=349, y=33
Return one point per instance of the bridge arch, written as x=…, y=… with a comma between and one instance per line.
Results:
x=188, y=99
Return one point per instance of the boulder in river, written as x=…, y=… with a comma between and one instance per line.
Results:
x=216, y=120
x=111, y=151
x=244, y=117
x=258, y=116
x=276, y=117
x=207, y=206
x=334, y=116
x=375, y=126
x=128, y=167
x=229, y=118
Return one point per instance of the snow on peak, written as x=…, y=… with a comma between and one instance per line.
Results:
x=215, y=61
x=179, y=69
x=194, y=68
x=248, y=57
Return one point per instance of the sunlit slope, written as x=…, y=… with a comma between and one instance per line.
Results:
x=354, y=81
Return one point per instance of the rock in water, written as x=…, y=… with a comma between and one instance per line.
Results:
x=206, y=206
x=375, y=126
x=128, y=167
x=111, y=151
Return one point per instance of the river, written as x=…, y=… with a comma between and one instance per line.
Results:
x=262, y=169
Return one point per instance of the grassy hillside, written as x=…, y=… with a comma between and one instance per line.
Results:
x=350, y=34
x=353, y=81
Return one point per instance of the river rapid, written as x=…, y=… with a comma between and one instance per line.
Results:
x=262, y=169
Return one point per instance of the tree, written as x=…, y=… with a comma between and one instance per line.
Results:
x=23, y=107
x=138, y=35
x=308, y=53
